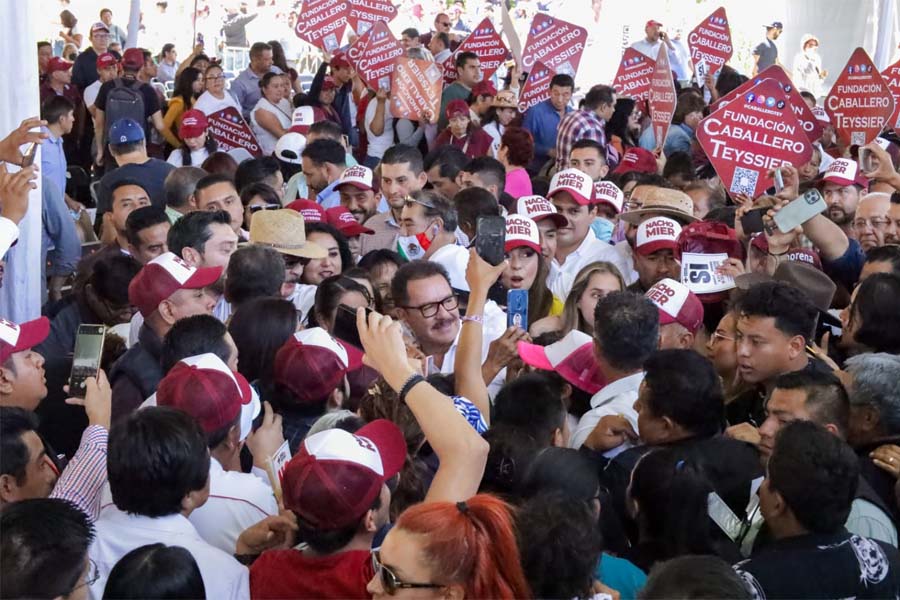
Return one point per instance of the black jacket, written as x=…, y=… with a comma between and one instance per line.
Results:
x=136, y=375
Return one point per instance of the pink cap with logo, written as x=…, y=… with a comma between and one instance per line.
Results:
x=522, y=232
x=345, y=222
x=576, y=183
x=843, y=172
x=572, y=357
x=312, y=211
x=539, y=208
x=658, y=233
x=606, y=192
x=676, y=304
x=162, y=277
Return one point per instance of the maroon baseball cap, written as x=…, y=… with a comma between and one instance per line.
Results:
x=329, y=83
x=193, y=124
x=107, y=59
x=345, y=222
x=162, y=277
x=457, y=108
x=204, y=387
x=637, y=159
x=133, y=59
x=58, y=64
x=17, y=338
x=484, y=88
x=539, y=208
x=312, y=211
x=676, y=304
x=843, y=172
x=311, y=364
x=653, y=23
x=99, y=26
x=340, y=61
x=336, y=475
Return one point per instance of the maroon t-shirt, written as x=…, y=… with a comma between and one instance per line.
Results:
x=291, y=574
x=476, y=143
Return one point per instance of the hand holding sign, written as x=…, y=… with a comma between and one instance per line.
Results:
x=416, y=89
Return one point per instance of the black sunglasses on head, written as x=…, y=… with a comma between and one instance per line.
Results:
x=390, y=582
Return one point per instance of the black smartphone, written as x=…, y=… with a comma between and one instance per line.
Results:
x=490, y=239
x=345, y=328
x=86, y=361
x=752, y=221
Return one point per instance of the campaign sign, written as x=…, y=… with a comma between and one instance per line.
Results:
x=230, y=131
x=892, y=79
x=322, y=23
x=710, y=41
x=662, y=97
x=365, y=13
x=751, y=135
x=860, y=102
x=487, y=44
x=812, y=126
x=556, y=43
x=537, y=86
x=699, y=273
x=356, y=49
x=415, y=89
x=633, y=77
x=376, y=64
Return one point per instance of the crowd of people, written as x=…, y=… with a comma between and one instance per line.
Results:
x=315, y=383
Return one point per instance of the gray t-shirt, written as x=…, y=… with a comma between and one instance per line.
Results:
x=767, y=52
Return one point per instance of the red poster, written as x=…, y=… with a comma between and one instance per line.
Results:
x=365, y=13
x=633, y=78
x=860, y=102
x=230, y=131
x=416, y=89
x=892, y=79
x=752, y=134
x=355, y=50
x=711, y=41
x=662, y=97
x=555, y=43
x=322, y=23
x=376, y=64
x=537, y=86
x=811, y=125
x=487, y=44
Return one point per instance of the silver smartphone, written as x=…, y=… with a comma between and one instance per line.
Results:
x=800, y=210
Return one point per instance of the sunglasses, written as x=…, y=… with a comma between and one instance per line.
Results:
x=259, y=207
x=390, y=583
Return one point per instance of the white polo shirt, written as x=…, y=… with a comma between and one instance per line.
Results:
x=617, y=398
x=591, y=249
x=119, y=533
x=236, y=501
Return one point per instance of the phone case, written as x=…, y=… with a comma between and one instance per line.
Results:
x=86, y=359
x=517, y=309
x=800, y=211
x=490, y=239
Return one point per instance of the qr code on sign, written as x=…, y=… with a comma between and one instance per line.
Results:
x=857, y=138
x=744, y=181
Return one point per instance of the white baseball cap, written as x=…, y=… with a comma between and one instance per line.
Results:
x=359, y=176
x=522, y=232
x=676, y=304
x=658, y=233
x=606, y=192
x=290, y=147
x=539, y=208
x=577, y=183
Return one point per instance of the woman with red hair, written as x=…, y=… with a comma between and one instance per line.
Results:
x=516, y=152
x=455, y=550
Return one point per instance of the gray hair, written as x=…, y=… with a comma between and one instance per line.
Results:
x=876, y=382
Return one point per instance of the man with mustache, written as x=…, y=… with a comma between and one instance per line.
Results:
x=842, y=186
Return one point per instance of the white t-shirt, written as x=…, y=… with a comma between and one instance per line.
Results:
x=378, y=144
x=176, y=157
x=495, y=130
x=208, y=104
x=282, y=112
x=90, y=93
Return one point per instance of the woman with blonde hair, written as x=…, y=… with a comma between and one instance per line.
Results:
x=592, y=283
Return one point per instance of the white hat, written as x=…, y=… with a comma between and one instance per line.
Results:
x=359, y=176
x=539, y=208
x=522, y=231
x=676, y=304
x=577, y=183
x=316, y=336
x=607, y=192
x=658, y=233
x=290, y=147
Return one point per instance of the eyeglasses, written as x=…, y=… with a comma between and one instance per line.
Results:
x=259, y=207
x=716, y=336
x=874, y=223
x=390, y=582
x=432, y=308
x=410, y=200
x=93, y=574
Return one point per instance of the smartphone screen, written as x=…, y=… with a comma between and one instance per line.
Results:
x=517, y=309
x=490, y=239
x=345, y=328
x=799, y=211
x=86, y=361
x=752, y=221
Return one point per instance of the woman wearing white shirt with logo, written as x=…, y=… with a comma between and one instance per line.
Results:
x=271, y=117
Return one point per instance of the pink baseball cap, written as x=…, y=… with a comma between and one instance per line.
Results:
x=576, y=183
x=606, y=192
x=162, y=277
x=336, y=475
x=107, y=59
x=522, y=231
x=204, y=387
x=676, y=304
x=637, y=159
x=843, y=171
x=539, y=208
x=572, y=357
x=345, y=222
x=658, y=233
x=311, y=364
x=312, y=211
x=193, y=124
x=359, y=176
x=17, y=338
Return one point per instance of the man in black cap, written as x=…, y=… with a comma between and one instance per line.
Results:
x=766, y=53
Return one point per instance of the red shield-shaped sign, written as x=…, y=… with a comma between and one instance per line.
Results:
x=859, y=102
x=376, y=64
x=230, y=131
x=662, y=97
x=633, y=78
x=365, y=13
x=752, y=134
x=892, y=79
x=711, y=41
x=811, y=125
x=555, y=43
x=416, y=89
x=487, y=44
x=355, y=51
x=322, y=23
x=537, y=86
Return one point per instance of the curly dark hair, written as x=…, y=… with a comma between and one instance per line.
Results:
x=519, y=146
